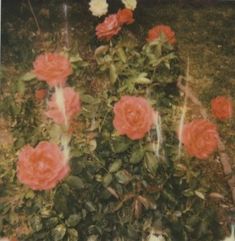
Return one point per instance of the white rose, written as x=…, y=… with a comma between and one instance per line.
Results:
x=152, y=237
x=98, y=7
x=130, y=4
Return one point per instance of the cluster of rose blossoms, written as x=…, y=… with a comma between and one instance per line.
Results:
x=113, y=23
x=42, y=167
x=200, y=136
x=99, y=8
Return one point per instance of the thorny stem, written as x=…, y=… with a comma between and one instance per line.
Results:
x=224, y=157
x=34, y=16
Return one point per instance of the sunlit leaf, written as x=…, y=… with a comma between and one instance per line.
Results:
x=107, y=179
x=75, y=58
x=123, y=176
x=28, y=76
x=137, y=155
x=113, y=73
x=114, y=167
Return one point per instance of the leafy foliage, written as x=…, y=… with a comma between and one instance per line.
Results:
x=118, y=189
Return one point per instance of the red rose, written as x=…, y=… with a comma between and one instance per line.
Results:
x=125, y=16
x=222, y=107
x=40, y=94
x=108, y=28
x=156, y=32
x=52, y=68
x=133, y=116
x=70, y=102
x=200, y=138
x=42, y=167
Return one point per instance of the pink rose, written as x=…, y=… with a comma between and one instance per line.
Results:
x=42, y=167
x=125, y=16
x=222, y=107
x=52, y=68
x=71, y=106
x=108, y=28
x=133, y=116
x=200, y=138
x=156, y=31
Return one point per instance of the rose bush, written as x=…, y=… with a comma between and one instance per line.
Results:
x=200, y=138
x=156, y=32
x=125, y=16
x=133, y=116
x=52, y=68
x=222, y=107
x=108, y=28
x=42, y=167
x=112, y=177
x=61, y=107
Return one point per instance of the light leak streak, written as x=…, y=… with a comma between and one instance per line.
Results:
x=183, y=114
x=159, y=134
x=231, y=238
x=66, y=27
x=59, y=95
x=65, y=139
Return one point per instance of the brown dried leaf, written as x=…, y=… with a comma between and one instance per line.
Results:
x=136, y=208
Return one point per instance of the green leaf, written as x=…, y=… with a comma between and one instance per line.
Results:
x=73, y=220
x=13, y=218
x=55, y=132
x=142, y=79
x=88, y=99
x=58, y=232
x=92, y=145
x=73, y=234
x=169, y=196
x=52, y=222
x=151, y=162
x=113, y=73
x=200, y=194
x=120, y=144
x=107, y=179
x=121, y=54
x=75, y=182
x=28, y=76
x=101, y=50
x=29, y=195
x=75, y=58
x=188, y=192
x=123, y=176
x=45, y=212
x=137, y=155
x=114, y=167
x=35, y=223
x=20, y=87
